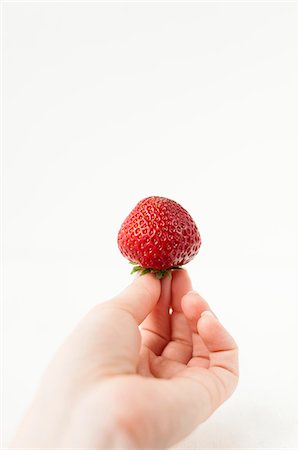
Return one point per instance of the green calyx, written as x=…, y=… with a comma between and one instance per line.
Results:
x=159, y=273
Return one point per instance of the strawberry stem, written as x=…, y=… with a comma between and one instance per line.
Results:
x=160, y=273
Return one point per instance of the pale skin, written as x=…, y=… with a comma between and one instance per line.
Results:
x=134, y=374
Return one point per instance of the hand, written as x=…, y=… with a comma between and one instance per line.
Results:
x=135, y=373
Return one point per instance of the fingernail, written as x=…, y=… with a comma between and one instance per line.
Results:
x=207, y=313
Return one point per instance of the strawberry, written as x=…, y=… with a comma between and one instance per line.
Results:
x=158, y=235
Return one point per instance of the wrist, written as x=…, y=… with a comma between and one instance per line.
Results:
x=100, y=421
x=42, y=425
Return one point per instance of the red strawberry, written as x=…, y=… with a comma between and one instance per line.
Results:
x=158, y=235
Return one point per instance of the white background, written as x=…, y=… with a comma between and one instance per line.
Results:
x=107, y=104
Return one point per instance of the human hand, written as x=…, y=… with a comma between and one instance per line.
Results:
x=134, y=375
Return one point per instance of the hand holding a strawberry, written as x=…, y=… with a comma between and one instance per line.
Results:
x=140, y=371
x=145, y=368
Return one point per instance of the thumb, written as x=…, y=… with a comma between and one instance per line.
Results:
x=140, y=297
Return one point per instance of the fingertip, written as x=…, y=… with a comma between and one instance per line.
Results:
x=148, y=281
x=213, y=333
x=140, y=297
x=193, y=305
x=188, y=304
x=180, y=277
x=206, y=322
x=180, y=284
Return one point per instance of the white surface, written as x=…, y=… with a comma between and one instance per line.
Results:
x=105, y=105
